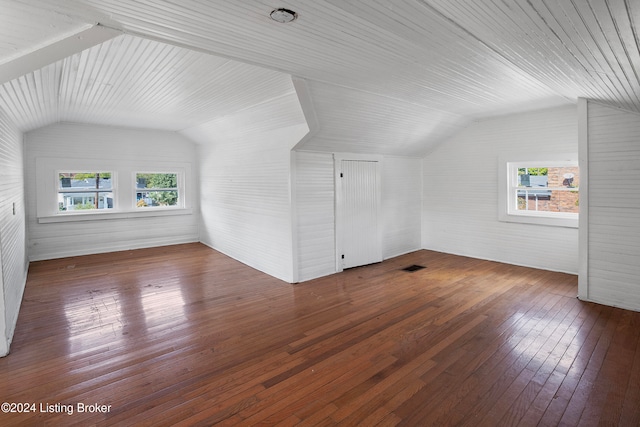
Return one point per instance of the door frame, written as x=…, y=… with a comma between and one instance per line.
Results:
x=339, y=198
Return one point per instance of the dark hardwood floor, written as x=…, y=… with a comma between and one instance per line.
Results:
x=183, y=335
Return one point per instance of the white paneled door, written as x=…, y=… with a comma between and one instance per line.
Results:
x=359, y=212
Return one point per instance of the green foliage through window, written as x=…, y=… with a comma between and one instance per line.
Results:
x=534, y=171
x=87, y=175
x=156, y=189
x=157, y=180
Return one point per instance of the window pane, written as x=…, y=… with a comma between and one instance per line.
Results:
x=146, y=199
x=156, y=189
x=568, y=177
x=85, y=201
x=532, y=177
x=156, y=180
x=557, y=177
x=538, y=189
x=78, y=191
x=548, y=201
x=85, y=180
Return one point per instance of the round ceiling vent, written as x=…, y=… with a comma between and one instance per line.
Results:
x=283, y=15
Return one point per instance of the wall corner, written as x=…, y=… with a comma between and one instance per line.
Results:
x=583, y=224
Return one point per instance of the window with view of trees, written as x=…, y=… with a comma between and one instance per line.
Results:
x=84, y=191
x=75, y=189
x=156, y=190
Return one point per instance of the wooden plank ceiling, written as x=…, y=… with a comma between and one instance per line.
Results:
x=131, y=81
x=390, y=77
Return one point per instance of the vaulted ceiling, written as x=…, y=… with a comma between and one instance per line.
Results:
x=389, y=77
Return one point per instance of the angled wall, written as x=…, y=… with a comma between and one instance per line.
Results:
x=245, y=192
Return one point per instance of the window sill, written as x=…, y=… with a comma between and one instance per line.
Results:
x=100, y=216
x=569, y=221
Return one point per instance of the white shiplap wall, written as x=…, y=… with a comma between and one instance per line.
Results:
x=460, y=197
x=245, y=197
x=613, y=240
x=315, y=196
x=12, y=229
x=315, y=211
x=401, y=205
x=245, y=166
x=111, y=145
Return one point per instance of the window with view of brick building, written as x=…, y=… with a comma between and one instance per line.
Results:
x=548, y=189
x=543, y=192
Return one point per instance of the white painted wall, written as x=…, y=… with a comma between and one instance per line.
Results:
x=315, y=214
x=122, y=150
x=245, y=165
x=460, y=193
x=246, y=200
x=315, y=196
x=401, y=205
x=12, y=230
x=610, y=267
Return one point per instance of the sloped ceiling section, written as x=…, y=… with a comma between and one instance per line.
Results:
x=392, y=77
x=275, y=113
x=399, y=49
x=54, y=51
x=129, y=81
x=586, y=48
x=25, y=28
x=354, y=121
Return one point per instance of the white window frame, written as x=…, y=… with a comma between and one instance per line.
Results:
x=47, y=186
x=507, y=199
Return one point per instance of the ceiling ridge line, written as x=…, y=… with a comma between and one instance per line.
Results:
x=196, y=49
x=266, y=101
x=280, y=70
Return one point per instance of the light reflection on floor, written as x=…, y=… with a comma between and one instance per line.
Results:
x=99, y=318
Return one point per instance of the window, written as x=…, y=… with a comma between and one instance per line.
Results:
x=542, y=192
x=545, y=189
x=76, y=189
x=157, y=190
x=85, y=191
